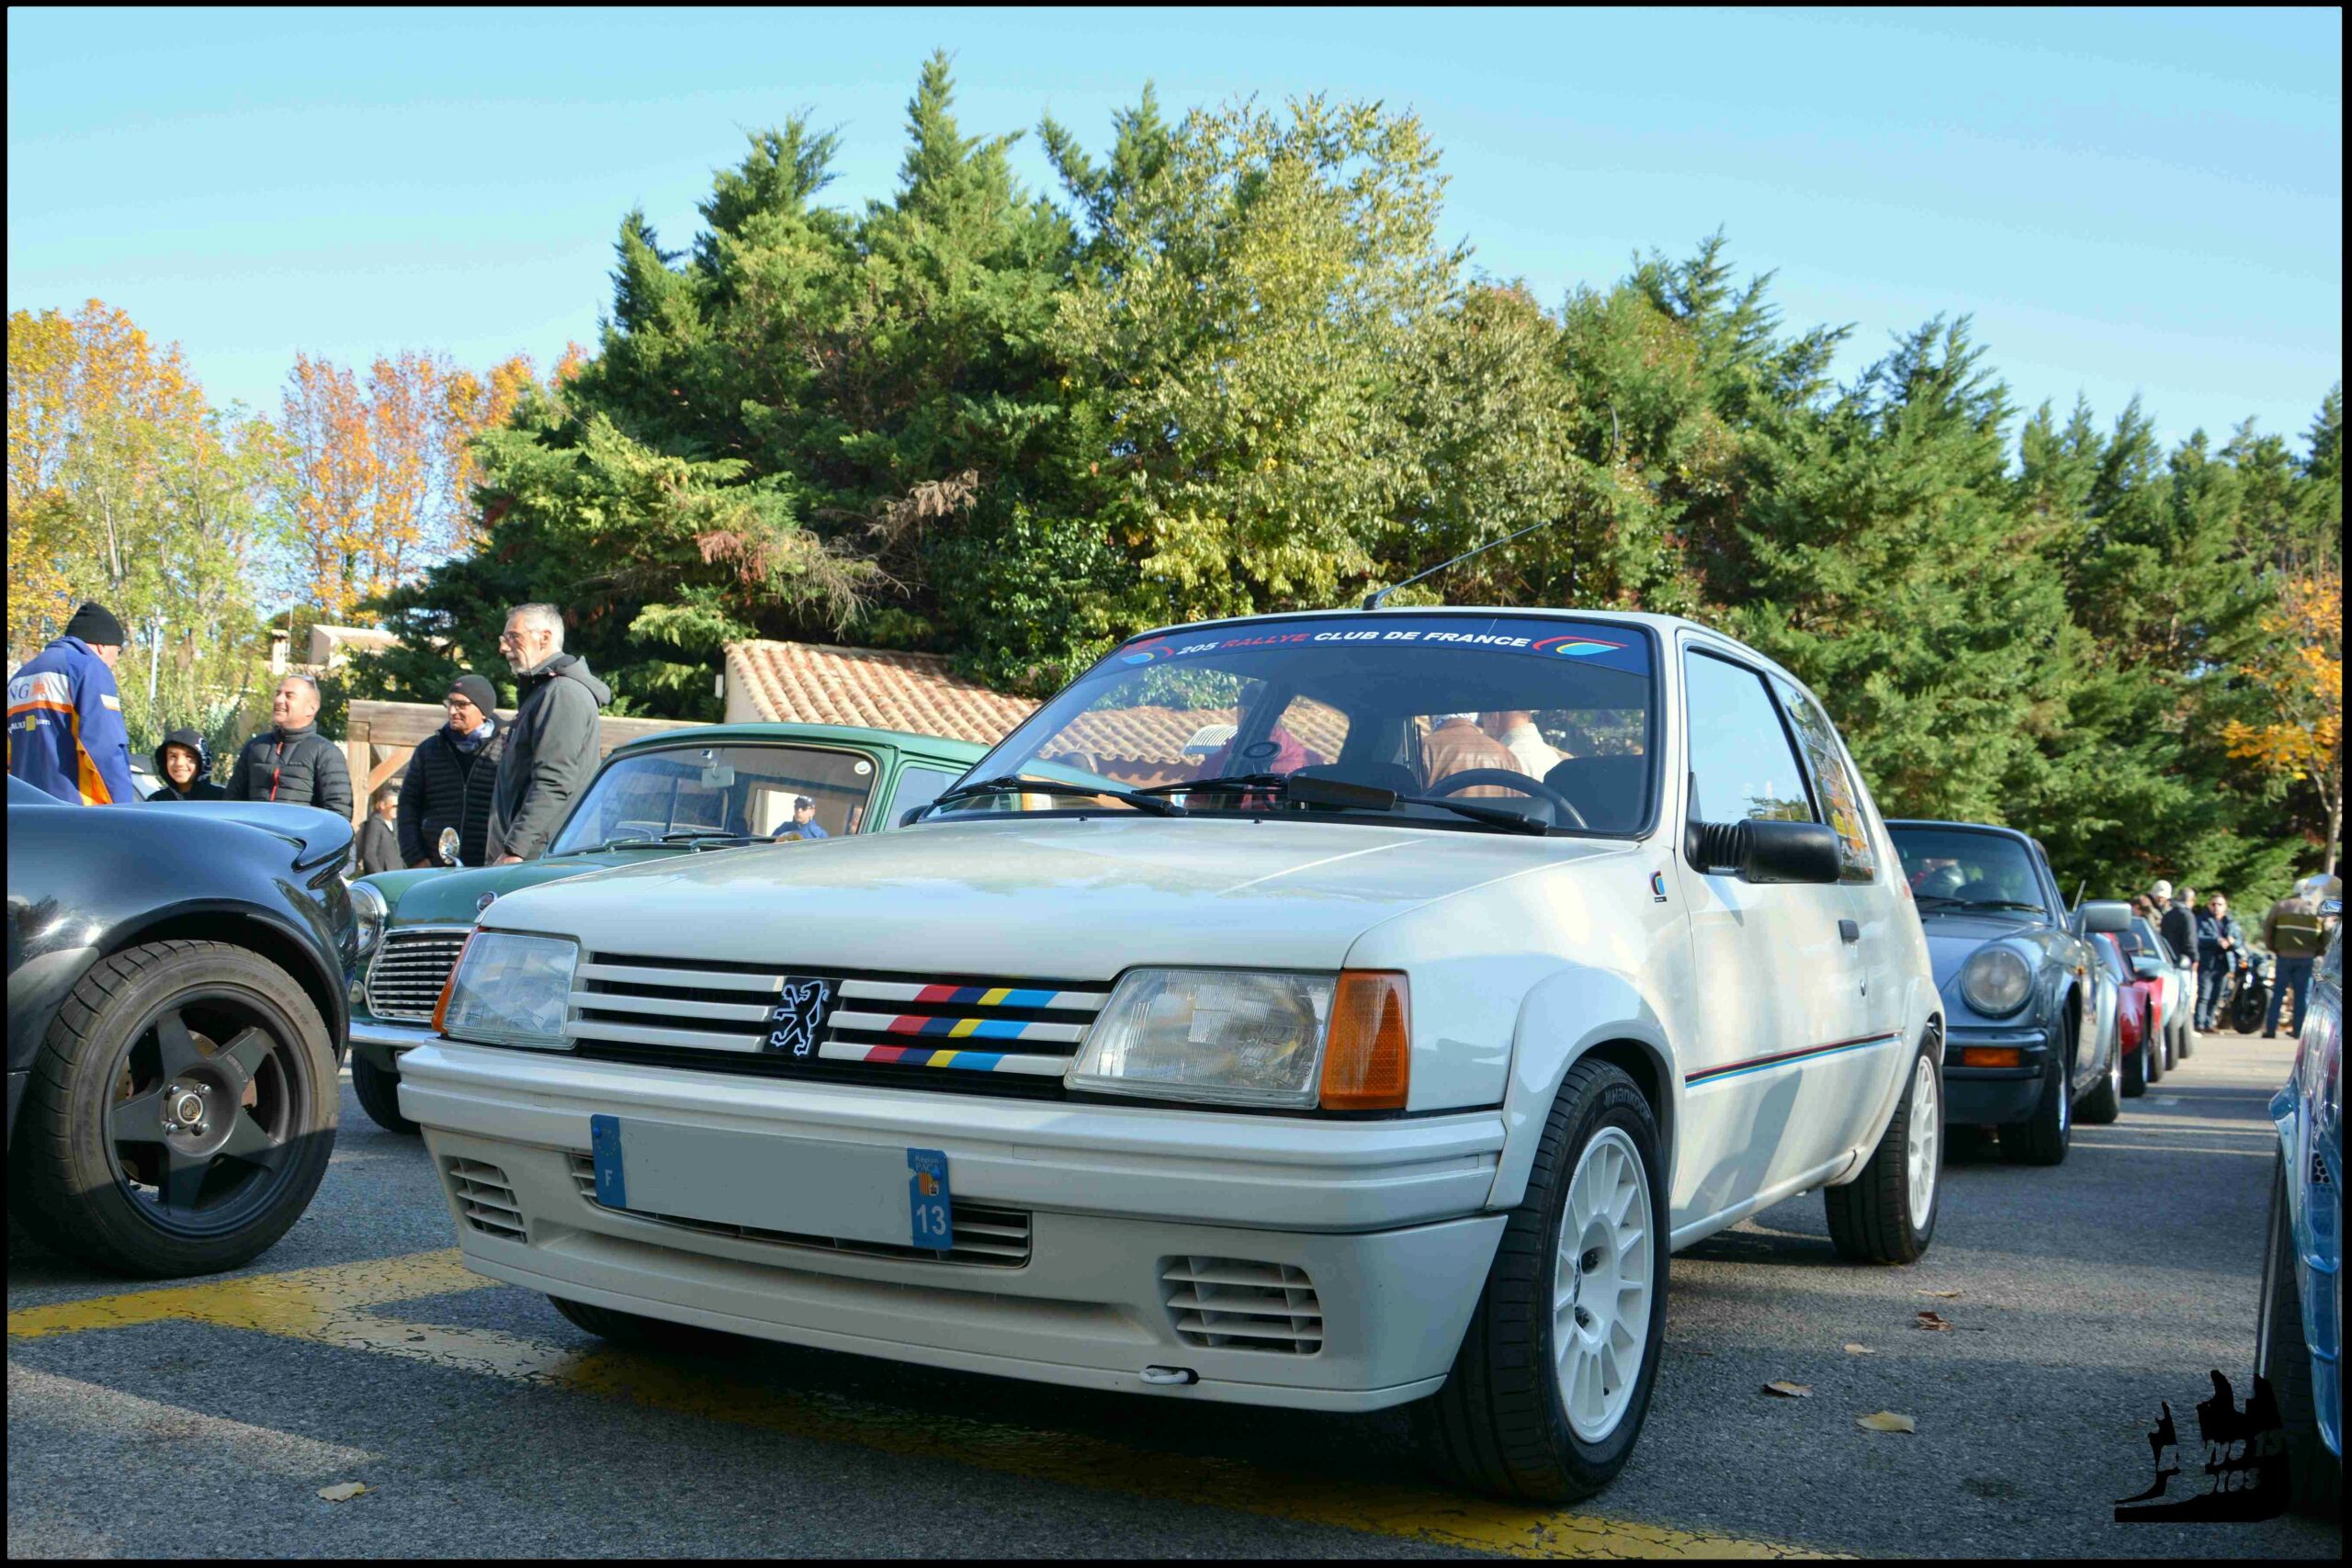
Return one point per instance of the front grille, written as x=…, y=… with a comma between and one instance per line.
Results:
x=1231, y=1305
x=987, y=1235
x=409, y=969
x=953, y=1032
x=485, y=1197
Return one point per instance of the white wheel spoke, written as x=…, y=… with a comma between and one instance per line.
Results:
x=1601, y=1314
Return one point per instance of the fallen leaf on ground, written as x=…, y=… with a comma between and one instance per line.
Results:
x=1946, y=1296
x=1854, y=1350
x=1936, y=1321
x=1788, y=1390
x=1887, y=1421
x=343, y=1491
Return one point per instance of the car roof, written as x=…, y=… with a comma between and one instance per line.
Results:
x=1894, y=822
x=963, y=753
x=1658, y=623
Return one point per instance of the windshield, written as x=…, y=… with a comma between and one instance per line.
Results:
x=1951, y=868
x=1519, y=720
x=714, y=791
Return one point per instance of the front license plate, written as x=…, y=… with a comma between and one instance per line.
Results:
x=799, y=1186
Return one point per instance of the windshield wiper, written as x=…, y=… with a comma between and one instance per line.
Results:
x=689, y=836
x=2004, y=904
x=1014, y=783
x=1308, y=790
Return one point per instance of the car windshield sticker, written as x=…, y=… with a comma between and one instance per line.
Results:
x=1615, y=647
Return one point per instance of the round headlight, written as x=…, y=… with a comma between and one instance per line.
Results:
x=1995, y=981
x=368, y=912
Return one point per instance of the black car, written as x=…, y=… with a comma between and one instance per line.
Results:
x=175, y=1019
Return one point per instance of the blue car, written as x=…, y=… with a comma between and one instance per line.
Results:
x=2299, y=1335
x=2030, y=1001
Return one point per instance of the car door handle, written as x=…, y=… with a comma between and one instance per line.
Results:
x=1848, y=932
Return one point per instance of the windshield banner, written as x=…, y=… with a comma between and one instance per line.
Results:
x=1618, y=647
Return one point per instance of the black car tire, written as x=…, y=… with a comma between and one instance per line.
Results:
x=636, y=1330
x=2282, y=1356
x=379, y=1095
x=2159, y=1057
x=2184, y=1039
x=66, y=1182
x=2136, y=1068
x=1870, y=1217
x=1498, y=1424
x=2043, y=1137
x=2105, y=1103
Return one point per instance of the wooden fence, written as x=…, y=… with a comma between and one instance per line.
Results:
x=378, y=738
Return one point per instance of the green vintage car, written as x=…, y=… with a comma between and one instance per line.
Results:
x=681, y=791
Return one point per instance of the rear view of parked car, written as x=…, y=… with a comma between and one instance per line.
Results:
x=175, y=1020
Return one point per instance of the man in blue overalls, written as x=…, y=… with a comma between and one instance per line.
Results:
x=65, y=732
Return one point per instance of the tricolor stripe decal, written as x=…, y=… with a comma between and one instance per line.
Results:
x=927, y=1056
x=970, y=995
x=1787, y=1058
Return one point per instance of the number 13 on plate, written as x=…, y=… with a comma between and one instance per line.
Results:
x=930, y=1210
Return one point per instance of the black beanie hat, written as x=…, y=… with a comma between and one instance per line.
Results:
x=94, y=624
x=477, y=689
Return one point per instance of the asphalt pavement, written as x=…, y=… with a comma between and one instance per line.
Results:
x=203, y=1418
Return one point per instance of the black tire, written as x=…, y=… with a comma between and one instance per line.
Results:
x=2044, y=1137
x=2105, y=1103
x=2283, y=1356
x=2171, y=1052
x=644, y=1333
x=212, y=1008
x=1870, y=1217
x=2159, y=1057
x=379, y=1095
x=1499, y=1425
x=2136, y=1068
x=2184, y=1039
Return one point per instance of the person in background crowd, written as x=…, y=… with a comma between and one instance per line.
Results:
x=1514, y=729
x=1457, y=745
x=804, y=820
x=2177, y=923
x=2218, y=941
x=65, y=732
x=379, y=845
x=2293, y=929
x=2141, y=908
x=185, y=763
x=292, y=763
x=452, y=778
x=551, y=746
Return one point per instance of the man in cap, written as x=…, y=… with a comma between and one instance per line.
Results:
x=452, y=778
x=2177, y=923
x=804, y=820
x=65, y=732
x=292, y=763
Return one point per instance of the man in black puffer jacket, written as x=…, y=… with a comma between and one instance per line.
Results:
x=184, y=753
x=292, y=763
x=551, y=747
x=452, y=778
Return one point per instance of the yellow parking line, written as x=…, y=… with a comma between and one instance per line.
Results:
x=330, y=1306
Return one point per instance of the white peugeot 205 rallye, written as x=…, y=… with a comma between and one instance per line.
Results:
x=1225, y=1034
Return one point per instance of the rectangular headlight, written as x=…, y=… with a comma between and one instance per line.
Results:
x=512, y=990
x=1225, y=1036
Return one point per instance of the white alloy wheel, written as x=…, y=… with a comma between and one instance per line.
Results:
x=1601, y=1282
x=1920, y=1161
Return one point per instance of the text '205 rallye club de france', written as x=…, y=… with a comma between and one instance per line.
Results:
x=1332, y=1068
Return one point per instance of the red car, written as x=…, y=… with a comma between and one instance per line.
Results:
x=2139, y=1023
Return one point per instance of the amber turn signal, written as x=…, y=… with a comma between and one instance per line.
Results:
x=1988, y=1056
x=1368, y=1052
x=441, y=1007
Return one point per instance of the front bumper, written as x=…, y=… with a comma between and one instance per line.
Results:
x=1994, y=1097
x=1385, y=1221
x=382, y=1043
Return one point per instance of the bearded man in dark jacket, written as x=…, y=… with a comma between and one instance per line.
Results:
x=551, y=746
x=292, y=763
x=184, y=751
x=452, y=778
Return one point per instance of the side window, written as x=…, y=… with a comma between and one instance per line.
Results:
x=1833, y=783
x=917, y=786
x=1740, y=759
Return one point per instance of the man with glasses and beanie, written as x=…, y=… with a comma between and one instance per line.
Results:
x=551, y=745
x=452, y=778
x=65, y=731
x=292, y=763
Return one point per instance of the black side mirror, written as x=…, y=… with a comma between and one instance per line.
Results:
x=1766, y=852
x=910, y=816
x=2108, y=915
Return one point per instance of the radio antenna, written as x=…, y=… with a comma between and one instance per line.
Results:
x=1374, y=599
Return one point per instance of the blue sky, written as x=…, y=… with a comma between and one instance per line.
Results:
x=2147, y=201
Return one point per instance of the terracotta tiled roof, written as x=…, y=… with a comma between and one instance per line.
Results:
x=807, y=683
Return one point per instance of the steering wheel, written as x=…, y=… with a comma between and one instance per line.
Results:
x=1508, y=778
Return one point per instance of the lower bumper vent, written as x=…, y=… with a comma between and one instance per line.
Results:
x=987, y=1237
x=1229, y=1305
x=485, y=1197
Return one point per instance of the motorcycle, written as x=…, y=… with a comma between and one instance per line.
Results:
x=2256, y=973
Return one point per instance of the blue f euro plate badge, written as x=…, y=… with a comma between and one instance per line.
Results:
x=930, y=1210
x=605, y=1140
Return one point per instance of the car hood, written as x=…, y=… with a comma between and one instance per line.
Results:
x=444, y=896
x=1062, y=897
x=314, y=835
x=1952, y=938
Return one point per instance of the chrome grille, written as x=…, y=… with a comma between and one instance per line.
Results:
x=987, y=1235
x=485, y=1197
x=937, y=1031
x=1231, y=1305
x=409, y=969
